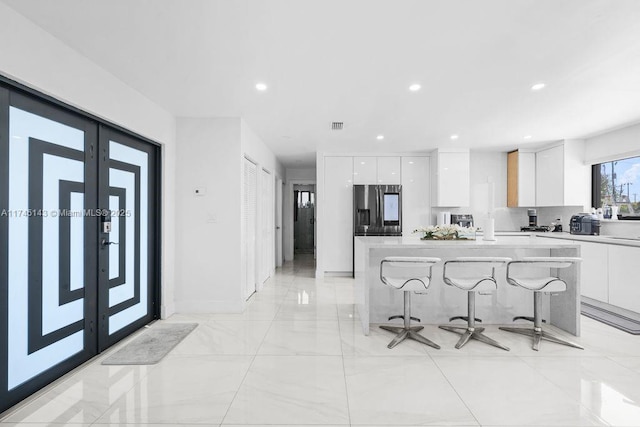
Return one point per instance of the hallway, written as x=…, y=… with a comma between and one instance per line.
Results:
x=297, y=356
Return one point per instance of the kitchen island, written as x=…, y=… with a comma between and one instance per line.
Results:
x=376, y=302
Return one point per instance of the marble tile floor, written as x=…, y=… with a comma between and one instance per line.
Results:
x=297, y=357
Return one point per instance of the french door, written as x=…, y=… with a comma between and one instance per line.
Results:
x=78, y=203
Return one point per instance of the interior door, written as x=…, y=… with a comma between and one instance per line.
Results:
x=127, y=235
x=47, y=265
x=278, y=225
x=249, y=209
x=266, y=226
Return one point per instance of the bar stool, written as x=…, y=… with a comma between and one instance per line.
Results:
x=483, y=284
x=408, y=274
x=547, y=284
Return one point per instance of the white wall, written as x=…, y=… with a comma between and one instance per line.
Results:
x=613, y=145
x=294, y=175
x=255, y=148
x=35, y=58
x=208, y=227
x=209, y=246
x=307, y=174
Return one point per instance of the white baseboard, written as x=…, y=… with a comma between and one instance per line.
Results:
x=203, y=306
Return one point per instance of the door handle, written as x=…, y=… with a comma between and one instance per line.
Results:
x=105, y=242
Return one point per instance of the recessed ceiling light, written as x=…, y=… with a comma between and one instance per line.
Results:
x=453, y=137
x=538, y=86
x=415, y=87
x=380, y=137
x=527, y=137
x=362, y=163
x=261, y=87
x=410, y=163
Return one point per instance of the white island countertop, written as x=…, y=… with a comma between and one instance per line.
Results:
x=504, y=241
x=376, y=302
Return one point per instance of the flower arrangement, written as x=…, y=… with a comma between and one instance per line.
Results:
x=447, y=232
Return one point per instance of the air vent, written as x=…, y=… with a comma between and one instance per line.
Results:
x=337, y=125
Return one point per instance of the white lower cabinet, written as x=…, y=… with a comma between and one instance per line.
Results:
x=338, y=214
x=624, y=287
x=594, y=271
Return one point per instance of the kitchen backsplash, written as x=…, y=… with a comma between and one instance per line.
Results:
x=511, y=219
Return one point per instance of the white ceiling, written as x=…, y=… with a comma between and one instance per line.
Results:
x=353, y=60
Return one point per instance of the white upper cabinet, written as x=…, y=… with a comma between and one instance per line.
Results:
x=561, y=175
x=549, y=177
x=338, y=214
x=389, y=170
x=416, y=202
x=365, y=170
x=521, y=179
x=450, y=177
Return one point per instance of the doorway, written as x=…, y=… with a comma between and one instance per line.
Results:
x=79, y=255
x=304, y=202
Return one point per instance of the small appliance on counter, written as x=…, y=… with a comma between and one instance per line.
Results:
x=444, y=218
x=533, y=222
x=463, y=220
x=585, y=223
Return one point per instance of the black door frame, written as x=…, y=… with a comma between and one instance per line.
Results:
x=47, y=106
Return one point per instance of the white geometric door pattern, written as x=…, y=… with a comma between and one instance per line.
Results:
x=66, y=293
x=46, y=299
x=128, y=255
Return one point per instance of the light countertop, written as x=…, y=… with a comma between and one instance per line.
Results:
x=502, y=241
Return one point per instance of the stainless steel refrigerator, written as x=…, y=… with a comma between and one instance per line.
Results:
x=377, y=210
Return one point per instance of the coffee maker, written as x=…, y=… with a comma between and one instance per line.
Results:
x=533, y=222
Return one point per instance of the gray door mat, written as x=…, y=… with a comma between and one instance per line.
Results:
x=608, y=317
x=152, y=345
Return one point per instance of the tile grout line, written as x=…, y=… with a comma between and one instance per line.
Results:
x=253, y=359
x=455, y=391
x=344, y=370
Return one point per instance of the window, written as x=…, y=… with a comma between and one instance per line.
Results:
x=305, y=199
x=617, y=183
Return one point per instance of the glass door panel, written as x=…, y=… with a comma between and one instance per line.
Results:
x=127, y=235
x=48, y=278
x=78, y=241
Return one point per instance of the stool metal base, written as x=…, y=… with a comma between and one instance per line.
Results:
x=472, y=333
x=402, y=333
x=539, y=334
